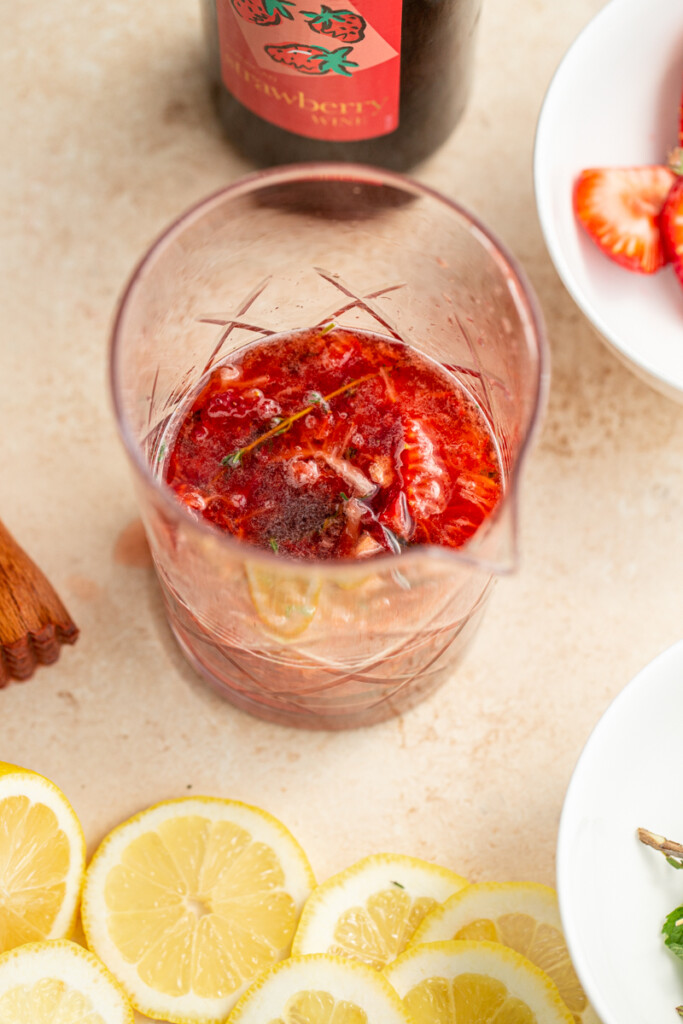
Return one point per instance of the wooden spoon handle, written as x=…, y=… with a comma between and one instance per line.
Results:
x=33, y=621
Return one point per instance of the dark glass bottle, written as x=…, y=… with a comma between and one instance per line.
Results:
x=433, y=72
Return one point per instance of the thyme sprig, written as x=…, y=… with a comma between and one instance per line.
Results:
x=672, y=851
x=314, y=398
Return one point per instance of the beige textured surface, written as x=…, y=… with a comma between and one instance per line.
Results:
x=107, y=134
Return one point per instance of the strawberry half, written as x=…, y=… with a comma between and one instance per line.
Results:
x=672, y=218
x=620, y=208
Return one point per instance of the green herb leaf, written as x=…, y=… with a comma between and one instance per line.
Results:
x=398, y=885
x=315, y=398
x=233, y=459
x=274, y=545
x=679, y=1011
x=678, y=864
x=672, y=929
x=344, y=497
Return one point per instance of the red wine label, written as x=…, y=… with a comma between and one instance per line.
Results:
x=324, y=71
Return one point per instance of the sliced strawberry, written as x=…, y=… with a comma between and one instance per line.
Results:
x=423, y=474
x=672, y=226
x=397, y=517
x=619, y=207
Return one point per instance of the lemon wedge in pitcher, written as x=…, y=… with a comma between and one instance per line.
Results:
x=286, y=604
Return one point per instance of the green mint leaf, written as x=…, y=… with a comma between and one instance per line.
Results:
x=672, y=929
x=233, y=459
x=315, y=398
x=678, y=864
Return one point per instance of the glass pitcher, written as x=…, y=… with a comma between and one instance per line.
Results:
x=324, y=644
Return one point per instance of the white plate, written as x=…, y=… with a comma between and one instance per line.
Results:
x=614, y=892
x=614, y=101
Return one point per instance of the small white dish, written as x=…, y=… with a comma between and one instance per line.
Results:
x=614, y=101
x=614, y=892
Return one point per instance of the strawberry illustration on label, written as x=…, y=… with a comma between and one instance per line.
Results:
x=263, y=12
x=345, y=25
x=312, y=60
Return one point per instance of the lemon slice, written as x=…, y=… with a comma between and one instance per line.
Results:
x=369, y=911
x=42, y=859
x=59, y=983
x=188, y=901
x=320, y=990
x=521, y=915
x=284, y=603
x=474, y=983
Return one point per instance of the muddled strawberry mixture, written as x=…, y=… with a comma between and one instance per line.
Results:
x=329, y=443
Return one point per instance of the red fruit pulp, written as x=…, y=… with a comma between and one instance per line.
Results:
x=332, y=443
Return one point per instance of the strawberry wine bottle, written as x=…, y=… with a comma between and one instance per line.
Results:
x=374, y=81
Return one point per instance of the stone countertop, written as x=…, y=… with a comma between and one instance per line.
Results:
x=109, y=133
